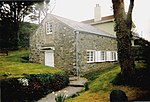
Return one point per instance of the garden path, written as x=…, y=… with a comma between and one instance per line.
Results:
x=75, y=86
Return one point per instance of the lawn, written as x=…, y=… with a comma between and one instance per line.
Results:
x=100, y=87
x=16, y=65
x=22, y=81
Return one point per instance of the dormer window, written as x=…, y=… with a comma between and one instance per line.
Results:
x=49, y=28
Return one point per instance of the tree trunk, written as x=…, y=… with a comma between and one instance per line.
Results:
x=122, y=28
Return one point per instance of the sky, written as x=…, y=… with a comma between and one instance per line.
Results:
x=80, y=10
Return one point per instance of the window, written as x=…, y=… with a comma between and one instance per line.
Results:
x=111, y=55
x=115, y=56
x=97, y=56
x=48, y=28
x=100, y=56
x=90, y=56
x=103, y=56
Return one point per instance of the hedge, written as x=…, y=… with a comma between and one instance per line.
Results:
x=32, y=87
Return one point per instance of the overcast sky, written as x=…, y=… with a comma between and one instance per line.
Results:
x=79, y=10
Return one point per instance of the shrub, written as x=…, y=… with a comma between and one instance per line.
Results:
x=86, y=86
x=60, y=98
x=32, y=86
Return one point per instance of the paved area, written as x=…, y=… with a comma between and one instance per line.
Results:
x=75, y=85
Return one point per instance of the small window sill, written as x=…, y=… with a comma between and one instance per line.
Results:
x=90, y=62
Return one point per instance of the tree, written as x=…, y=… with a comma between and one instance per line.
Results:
x=123, y=26
x=40, y=10
x=24, y=32
x=12, y=12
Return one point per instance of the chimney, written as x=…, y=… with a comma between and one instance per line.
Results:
x=97, y=13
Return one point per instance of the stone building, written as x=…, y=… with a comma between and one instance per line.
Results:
x=76, y=47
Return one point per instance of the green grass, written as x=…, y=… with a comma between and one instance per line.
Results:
x=95, y=74
x=100, y=87
x=102, y=83
x=102, y=78
x=15, y=66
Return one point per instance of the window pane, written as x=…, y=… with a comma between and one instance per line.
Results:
x=102, y=55
x=48, y=28
x=90, y=56
x=112, y=55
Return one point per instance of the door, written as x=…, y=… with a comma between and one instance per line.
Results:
x=49, y=58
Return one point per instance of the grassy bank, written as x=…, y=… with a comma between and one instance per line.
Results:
x=100, y=87
x=17, y=65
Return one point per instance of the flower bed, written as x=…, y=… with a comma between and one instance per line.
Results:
x=32, y=87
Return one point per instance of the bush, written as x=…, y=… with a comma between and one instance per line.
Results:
x=86, y=86
x=32, y=87
x=60, y=98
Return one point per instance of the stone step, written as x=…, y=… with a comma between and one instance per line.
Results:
x=73, y=78
x=77, y=82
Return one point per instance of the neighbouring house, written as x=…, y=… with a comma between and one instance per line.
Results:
x=74, y=46
x=106, y=23
x=103, y=23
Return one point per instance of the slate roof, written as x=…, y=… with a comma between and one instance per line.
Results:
x=83, y=27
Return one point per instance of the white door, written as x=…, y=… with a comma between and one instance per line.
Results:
x=49, y=58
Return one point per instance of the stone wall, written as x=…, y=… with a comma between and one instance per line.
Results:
x=64, y=42
x=97, y=43
x=36, y=41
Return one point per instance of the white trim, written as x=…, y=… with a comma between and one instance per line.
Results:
x=104, y=56
x=109, y=56
x=116, y=56
x=98, y=56
x=91, y=56
x=101, y=56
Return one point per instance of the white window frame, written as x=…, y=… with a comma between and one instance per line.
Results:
x=103, y=57
x=116, y=56
x=90, y=56
x=111, y=56
x=49, y=28
x=97, y=56
x=100, y=56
